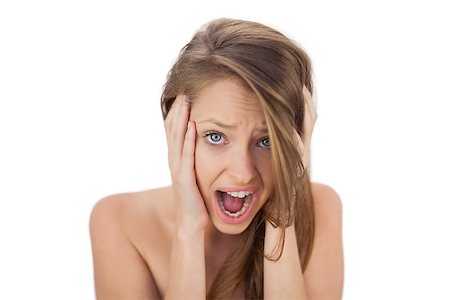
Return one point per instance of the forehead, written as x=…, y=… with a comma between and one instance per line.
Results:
x=226, y=97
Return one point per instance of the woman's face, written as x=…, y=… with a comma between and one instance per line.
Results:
x=232, y=156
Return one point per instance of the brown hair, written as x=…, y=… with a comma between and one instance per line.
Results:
x=273, y=67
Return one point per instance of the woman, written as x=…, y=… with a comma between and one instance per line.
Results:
x=241, y=219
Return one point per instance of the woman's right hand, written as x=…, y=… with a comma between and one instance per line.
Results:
x=181, y=134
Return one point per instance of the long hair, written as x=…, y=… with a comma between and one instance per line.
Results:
x=273, y=67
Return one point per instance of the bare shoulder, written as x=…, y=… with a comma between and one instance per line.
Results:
x=137, y=216
x=125, y=207
x=118, y=226
x=327, y=202
x=324, y=274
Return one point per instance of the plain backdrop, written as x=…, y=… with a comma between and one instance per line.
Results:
x=80, y=84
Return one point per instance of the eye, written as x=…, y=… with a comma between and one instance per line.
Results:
x=214, y=137
x=265, y=142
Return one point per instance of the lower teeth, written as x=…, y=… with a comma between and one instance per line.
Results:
x=238, y=213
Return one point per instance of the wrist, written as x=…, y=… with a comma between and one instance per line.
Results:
x=189, y=233
x=274, y=234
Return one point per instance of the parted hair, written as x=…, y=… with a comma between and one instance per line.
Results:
x=275, y=69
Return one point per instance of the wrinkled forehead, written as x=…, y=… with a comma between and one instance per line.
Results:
x=226, y=96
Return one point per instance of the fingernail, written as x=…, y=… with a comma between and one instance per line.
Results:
x=189, y=125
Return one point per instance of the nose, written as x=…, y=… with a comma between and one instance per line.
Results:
x=241, y=166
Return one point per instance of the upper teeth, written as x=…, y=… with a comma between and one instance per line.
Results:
x=240, y=194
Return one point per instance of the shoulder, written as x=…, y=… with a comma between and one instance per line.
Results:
x=119, y=225
x=328, y=215
x=325, y=272
x=114, y=212
x=112, y=208
x=131, y=215
x=121, y=209
x=327, y=202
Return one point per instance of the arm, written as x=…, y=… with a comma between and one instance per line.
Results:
x=187, y=266
x=283, y=279
x=324, y=276
x=187, y=276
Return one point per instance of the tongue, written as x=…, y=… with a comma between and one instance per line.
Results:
x=232, y=204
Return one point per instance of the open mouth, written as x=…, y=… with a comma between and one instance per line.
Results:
x=234, y=206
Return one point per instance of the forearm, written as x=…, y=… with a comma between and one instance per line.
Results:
x=283, y=279
x=187, y=279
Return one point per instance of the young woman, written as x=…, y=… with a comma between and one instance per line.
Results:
x=241, y=218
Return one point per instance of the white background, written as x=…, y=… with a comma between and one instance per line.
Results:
x=80, y=83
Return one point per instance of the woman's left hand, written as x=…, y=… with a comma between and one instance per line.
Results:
x=309, y=121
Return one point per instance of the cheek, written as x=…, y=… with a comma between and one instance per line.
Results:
x=265, y=170
x=264, y=163
x=205, y=169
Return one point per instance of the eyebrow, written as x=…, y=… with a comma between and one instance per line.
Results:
x=228, y=126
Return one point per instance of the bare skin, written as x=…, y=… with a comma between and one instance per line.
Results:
x=169, y=242
x=143, y=222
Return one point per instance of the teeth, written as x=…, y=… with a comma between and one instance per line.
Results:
x=244, y=206
x=240, y=194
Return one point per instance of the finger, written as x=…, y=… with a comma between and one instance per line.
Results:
x=176, y=112
x=310, y=108
x=308, y=126
x=300, y=143
x=169, y=127
x=179, y=123
x=310, y=116
x=176, y=125
x=187, y=163
x=303, y=153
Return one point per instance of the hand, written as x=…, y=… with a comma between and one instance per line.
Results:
x=190, y=207
x=309, y=121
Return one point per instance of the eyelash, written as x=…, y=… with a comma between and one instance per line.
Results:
x=209, y=133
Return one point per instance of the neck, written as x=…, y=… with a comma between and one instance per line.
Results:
x=218, y=247
x=217, y=241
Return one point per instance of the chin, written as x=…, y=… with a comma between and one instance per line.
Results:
x=234, y=229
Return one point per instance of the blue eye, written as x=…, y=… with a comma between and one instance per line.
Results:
x=265, y=142
x=217, y=138
x=214, y=137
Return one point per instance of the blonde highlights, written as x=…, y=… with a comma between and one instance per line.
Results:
x=274, y=68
